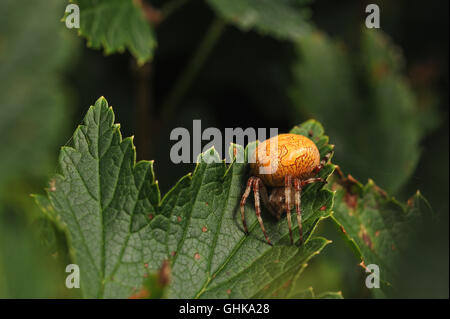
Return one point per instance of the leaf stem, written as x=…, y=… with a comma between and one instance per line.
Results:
x=192, y=69
x=145, y=119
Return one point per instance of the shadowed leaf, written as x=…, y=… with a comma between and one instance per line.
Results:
x=378, y=227
x=282, y=19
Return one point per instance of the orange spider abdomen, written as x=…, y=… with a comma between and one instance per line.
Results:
x=292, y=154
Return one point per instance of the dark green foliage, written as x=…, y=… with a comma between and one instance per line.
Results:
x=34, y=115
x=115, y=25
x=378, y=227
x=230, y=63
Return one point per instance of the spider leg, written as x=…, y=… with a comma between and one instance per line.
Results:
x=323, y=161
x=243, y=200
x=256, y=185
x=298, y=207
x=287, y=190
x=265, y=196
x=311, y=180
x=326, y=158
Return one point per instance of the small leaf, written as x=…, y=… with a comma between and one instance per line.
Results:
x=121, y=230
x=117, y=25
x=282, y=19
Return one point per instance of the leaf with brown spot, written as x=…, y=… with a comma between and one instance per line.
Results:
x=155, y=284
x=379, y=227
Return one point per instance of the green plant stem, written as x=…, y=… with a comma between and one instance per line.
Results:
x=193, y=67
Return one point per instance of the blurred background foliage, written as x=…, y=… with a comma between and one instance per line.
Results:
x=382, y=96
x=36, y=53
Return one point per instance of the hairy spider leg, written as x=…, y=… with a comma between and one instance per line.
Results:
x=265, y=196
x=256, y=186
x=298, y=185
x=287, y=192
x=298, y=206
x=323, y=161
x=243, y=200
x=310, y=181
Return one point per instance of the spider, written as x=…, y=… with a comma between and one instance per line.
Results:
x=294, y=159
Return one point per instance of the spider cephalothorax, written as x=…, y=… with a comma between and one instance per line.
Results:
x=286, y=163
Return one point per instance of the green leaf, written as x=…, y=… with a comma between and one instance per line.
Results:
x=282, y=19
x=368, y=108
x=120, y=229
x=378, y=227
x=117, y=25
